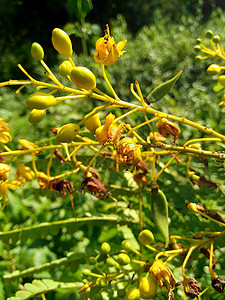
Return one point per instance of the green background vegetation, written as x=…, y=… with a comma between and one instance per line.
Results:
x=161, y=36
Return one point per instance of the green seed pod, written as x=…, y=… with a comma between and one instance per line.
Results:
x=209, y=34
x=221, y=80
x=93, y=123
x=216, y=39
x=36, y=115
x=146, y=237
x=159, y=211
x=105, y=247
x=163, y=89
x=126, y=245
x=148, y=287
x=197, y=48
x=62, y=43
x=83, y=78
x=133, y=294
x=65, y=68
x=213, y=70
x=67, y=133
x=121, y=293
x=40, y=100
x=37, y=51
x=92, y=260
x=123, y=259
x=86, y=272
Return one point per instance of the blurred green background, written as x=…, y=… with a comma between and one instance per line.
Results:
x=161, y=36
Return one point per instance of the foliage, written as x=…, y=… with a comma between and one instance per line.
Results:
x=40, y=238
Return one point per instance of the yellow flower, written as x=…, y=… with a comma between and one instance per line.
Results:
x=4, y=171
x=163, y=276
x=4, y=188
x=24, y=172
x=107, y=51
x=5, y=136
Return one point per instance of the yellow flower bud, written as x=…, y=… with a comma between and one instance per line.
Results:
x=146, y=237
x=93, y=123
x=67, y=133
x=40, y=101
x=221, y=80
x=24, y=172
x=36, y=115
x=37, y=51
x=133, y=294
x=62, y=43
x=83, y=78
x=148, y=287
x=65, y=68
x=213, y=70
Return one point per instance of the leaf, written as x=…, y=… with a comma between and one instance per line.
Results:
x=38, y=287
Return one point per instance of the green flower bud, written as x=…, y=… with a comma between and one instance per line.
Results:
x=36, y=115
x=121, y=293
x=197, y=48
x=93, y=123
x=101, y=282
x=67, y=133
x=213, y=70
x=126, y=245
x=221, y=80
x=198, y=58
x=133, y=294
x=37, y=51
x=62, y=43
x=65, y=68
x=216, y=39
x=110, y=262
x=148, y=287
x=105, y=247
x=83, y=78
x=86, y=272
x=40, y=100
x=92, y=260
x=198, y=41
x=209, y=34
x=123, y=259
x=146, y=237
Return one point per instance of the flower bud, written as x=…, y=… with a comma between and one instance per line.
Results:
x=40, y=101
x=221, y=80
x=146, y=237
x=216, y=39
x=24, y=172
x=213, y=70
x=93, y=123
x=65, y=68
x=110, y=262
x=101, y=282
x=197, y=48
x=62, y=43
x=67, y=133
x=209, y=34
x=123, y=259
x=198, y=41
x=105, y=247
x=37, y=51
x=133, y=294
x=148, y=287
x=83, y=78
x=92, y=260
x=121, y=293
x=36, y=115
x=126, y=245
x=86, y=272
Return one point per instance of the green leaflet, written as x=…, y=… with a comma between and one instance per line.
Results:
x=159, y=210
x=163, y=89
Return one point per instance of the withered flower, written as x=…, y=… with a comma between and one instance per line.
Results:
x=156, y=136
x=218, y=284
x=206, y=252
x=95, y=186
x=127, y=152
x=167, y=127
x=60, y=185
x=201, y=180
x=140, y=176
x=191, y=288
x=59, y=156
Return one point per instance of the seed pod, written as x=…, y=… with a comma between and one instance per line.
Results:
x=221, y=80
x=105, y=247
x=123, y=259
x=163, y=89
x=83, y=78
x=213, y=70
x=67, y=133
x=62, y=43
x=36, y=115
x=159, y=211
x=65, y=68
x=37, y=51
x=40, y=100
x=146, y=237
x=148, y=287
x=93, y=123
x=133, y=294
